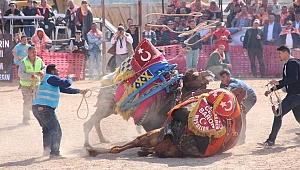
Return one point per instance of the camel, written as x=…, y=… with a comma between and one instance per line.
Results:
x=192, y=81
x=176, y=139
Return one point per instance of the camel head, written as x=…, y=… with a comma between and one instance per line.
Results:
x=194, y=80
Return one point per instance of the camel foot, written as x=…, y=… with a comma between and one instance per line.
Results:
x=144, y=153
x=91, y=152
x=87, y=145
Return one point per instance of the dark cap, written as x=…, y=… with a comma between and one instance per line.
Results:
x=83, y=2
x=11, y=3
x=35, y=2
x=78, y=31
x=121, y=28
x=222, y=24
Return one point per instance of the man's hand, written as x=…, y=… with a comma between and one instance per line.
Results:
x=33, y=76
x=229, y=66
x=83, y=91
x=274, y=82
x=267, y=93
x=245, y=50
x=18, y=58
x=72, y=76
x=75, y=48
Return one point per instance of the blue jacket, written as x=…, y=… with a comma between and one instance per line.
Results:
x=48, y=91
x=93, y=40
x=236, y=83
x=276, y=31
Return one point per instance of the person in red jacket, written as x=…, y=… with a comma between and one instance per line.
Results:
x=223, y=36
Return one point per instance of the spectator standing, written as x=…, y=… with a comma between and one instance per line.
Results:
x=13, y=11
x=253, y=44
x=197, y=6
x=223, y=36
x=121, y=45
x=168, y=36
x=242, y=19
x=291, y=15
x=291, y=102
x=256, y=4
x=216, y=13
x=193, y=52
x=46, y=11
x=84, y=18
x=44, y=106
x=30, y=71
x=216, y=62
x=264, y=4
x=296, y=23
x=183, y=5
x=20, y=51
x=276, y=7
x=232, y=15
x=231, y=83
x=169, y=10
x=17, y=39
x=30, y=10
x=95, y=47
x=261, y=16
x=79, y=45
x=269, y=11
x=296, y=4
x=289, y=36
x=149, y=34
x=283, y=15
x=272, y=31
x=134, y=35
x=41, y=41
x=70, y=17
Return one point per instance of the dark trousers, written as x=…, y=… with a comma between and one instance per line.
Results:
x=50, y=125
x=51, y=27
x=248, y=103
x=256, y=52
x=72, y=28
x=290, y=102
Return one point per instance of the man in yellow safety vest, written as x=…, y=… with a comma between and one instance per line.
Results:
x=30, y=72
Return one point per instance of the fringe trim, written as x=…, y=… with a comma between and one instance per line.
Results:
x=121, y=76
x=195, y=130
x=127, y=113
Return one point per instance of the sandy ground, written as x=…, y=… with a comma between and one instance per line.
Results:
x=21, y=146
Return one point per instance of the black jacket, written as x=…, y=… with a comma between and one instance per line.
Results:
x=248, y=35
x=291, y=80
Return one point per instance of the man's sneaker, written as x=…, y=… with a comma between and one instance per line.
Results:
x=267, y=143
x=56, y=157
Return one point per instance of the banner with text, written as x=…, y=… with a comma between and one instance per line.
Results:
x=6, y=69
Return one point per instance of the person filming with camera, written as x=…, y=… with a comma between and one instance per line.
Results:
x=121, y=45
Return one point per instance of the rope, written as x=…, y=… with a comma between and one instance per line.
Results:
x=275, y=103
x=84, y=97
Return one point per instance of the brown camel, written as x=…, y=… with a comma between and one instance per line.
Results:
x=189, y=144
x=192, y=81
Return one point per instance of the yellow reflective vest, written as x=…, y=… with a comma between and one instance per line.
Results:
x=29, y=69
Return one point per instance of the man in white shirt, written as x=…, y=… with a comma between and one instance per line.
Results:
x=272, y=30
x=289, y=36
x=122, y=45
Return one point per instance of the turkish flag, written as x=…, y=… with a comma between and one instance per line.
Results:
x=144, y=55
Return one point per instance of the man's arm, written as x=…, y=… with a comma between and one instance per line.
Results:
x=128, y=38
x=292, y=70
x=22, y=72
x=61, y=83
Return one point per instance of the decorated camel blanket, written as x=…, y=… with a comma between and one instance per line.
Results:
x=145, y=80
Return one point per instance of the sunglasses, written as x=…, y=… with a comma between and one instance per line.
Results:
x=288, y=24
x=170, y=24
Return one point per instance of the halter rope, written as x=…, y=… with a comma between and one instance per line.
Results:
x=276, y=103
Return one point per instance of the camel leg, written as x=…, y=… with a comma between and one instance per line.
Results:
x=95, y=120
x=146, y=140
